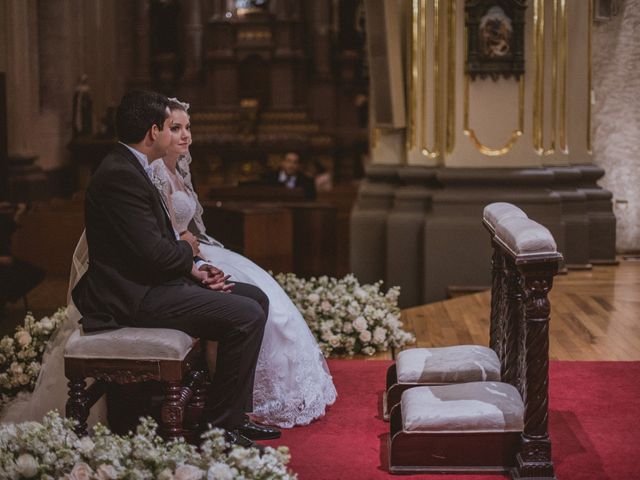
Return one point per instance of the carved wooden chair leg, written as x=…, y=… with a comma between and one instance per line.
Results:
x=78, y=405
x=195, y=408
x=172, y=410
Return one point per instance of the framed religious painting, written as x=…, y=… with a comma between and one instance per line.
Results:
x=495, y=38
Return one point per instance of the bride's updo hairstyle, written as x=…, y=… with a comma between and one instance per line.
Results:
x=175, y=104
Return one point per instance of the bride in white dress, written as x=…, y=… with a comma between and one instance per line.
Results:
x=292, y=386
x=292, y=383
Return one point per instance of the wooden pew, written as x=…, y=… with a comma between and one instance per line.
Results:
x=298, y=237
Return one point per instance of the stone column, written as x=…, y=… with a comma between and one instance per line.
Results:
x=455, y=253
x=405, y=232
x=141, y=75
x=369, y=223
x=21, y=33
x=192, y=33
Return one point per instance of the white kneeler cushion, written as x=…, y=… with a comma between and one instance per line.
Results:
x=460, y=363
x=464, y=407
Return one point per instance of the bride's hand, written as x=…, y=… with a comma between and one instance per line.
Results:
x=192, y=240
x=216, y=279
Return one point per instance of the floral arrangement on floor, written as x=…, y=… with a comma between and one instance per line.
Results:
x=21, y=354
x=346, y=317
x=51, y=450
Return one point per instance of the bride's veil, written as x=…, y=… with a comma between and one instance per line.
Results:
x=50, y=392
x=185, y=172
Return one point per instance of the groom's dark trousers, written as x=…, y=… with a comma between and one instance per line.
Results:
x=139, y=275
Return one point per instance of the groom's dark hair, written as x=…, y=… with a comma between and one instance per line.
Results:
x=138, y=111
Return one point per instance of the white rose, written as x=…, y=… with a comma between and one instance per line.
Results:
x=47, y=324
x=16, y=368
x=334, y=341
x=106, y=472
x=86, y=445
x=347, y=327
x=359, y=293
x=165, y=474
x=360, y=324
x=6, y=344
x=23, y=338
x=23, y=379
x=81, y=471
x=188, y=472
x=219, y=471
x=313, y=298
x=365, y=336
x=379, y=335
x=26, y=465
x=325, y=306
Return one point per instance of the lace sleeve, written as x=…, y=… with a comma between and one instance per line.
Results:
x=185, y=172
x=160, y=179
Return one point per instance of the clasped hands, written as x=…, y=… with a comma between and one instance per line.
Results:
x=210, y=276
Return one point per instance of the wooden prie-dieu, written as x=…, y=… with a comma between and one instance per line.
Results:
x=426, y=435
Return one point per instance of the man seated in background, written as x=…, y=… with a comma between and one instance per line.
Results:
x=290, y=176
x=17, y=277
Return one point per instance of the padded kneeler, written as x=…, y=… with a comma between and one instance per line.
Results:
x=439, y=366
x=456, y=428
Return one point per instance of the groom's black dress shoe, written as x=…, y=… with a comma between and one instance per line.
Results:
x=255, y=431
x=234, y=437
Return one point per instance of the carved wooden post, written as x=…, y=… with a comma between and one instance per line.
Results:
x=195, y=408
x=534, y=458
x=172, y=410
x=513, y=325
x=495, y=327
x=78, y=405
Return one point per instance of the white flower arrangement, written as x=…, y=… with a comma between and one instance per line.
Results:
x=21, y=354
x=346, y=317
x=51, y=450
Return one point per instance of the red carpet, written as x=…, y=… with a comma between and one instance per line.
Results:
x=595, y=411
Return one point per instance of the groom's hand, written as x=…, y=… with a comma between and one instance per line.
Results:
x=216, y=279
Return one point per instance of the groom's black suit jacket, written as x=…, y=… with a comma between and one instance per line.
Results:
x=132, y=246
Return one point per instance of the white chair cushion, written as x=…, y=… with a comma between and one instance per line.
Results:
x=130, y=344
x=494, y=213
x=460, y=363
x=464, y=407
x=525, y=237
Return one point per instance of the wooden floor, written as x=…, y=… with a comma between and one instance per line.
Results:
x=595, y=314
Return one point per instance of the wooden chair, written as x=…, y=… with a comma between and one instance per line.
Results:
x=131, y=355
x=492, y=426
x=456, y=364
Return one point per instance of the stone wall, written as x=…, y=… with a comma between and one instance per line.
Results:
x=616, y=115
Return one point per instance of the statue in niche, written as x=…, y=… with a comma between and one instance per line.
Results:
x=495, y=38
x=495, y=32
x=82, y=119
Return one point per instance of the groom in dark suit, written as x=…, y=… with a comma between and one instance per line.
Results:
x=141, y=274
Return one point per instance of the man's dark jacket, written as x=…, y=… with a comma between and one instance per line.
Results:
x=132, y=245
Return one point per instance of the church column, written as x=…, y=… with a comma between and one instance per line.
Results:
x=20, y=29
x=192, y=32
x=141, y=75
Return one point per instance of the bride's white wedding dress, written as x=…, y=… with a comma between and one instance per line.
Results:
x=292, y=386
x=292, y=383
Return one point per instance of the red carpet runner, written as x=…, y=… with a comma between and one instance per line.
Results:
x=595, y=411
